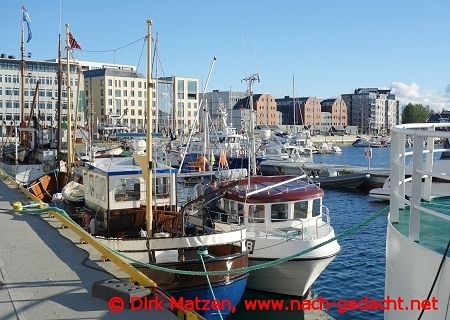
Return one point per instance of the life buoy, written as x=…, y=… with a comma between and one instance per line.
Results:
x=47, y=167
x=242, y=152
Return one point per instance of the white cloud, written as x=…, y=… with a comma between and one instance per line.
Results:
x=413, y=94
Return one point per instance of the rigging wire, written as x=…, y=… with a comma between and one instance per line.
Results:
x=116, y=49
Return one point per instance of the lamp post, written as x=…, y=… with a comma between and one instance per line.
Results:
x=369, y=150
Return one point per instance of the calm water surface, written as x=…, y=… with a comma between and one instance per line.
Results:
x=358, y=271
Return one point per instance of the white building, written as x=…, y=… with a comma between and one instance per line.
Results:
x=46, y=103
x=374, y=109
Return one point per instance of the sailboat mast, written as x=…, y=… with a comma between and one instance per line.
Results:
x=293, y=97
x=69, y=113
x=149, y=196
x=156, y=83
x=59, y=117
x=22, y=77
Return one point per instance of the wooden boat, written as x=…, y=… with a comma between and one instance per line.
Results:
x=47, y=185
x=115, y=195
x=130, y=195
x=283, y=215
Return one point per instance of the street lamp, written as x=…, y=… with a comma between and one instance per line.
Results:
x=368, y=151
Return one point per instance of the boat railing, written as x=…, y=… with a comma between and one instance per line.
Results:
x=294, y=227
x=320, y=219
x=422, y=172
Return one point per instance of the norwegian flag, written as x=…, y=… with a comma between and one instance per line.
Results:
x=73, y=43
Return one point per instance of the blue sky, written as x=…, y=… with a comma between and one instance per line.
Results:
x=332, y=47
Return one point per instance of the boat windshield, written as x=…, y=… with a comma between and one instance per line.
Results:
x=127, y=189
x=317, y=207
x=256, y=213
x=279, y=212
x=301, y=210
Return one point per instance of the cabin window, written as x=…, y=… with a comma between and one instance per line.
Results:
x=97, y=187
x=86, y=179
x=100, y=184
x=317, y=207
x=91, y=184
x=256, y=213
x=127, y=189
x=279, y=212
x=301, y=210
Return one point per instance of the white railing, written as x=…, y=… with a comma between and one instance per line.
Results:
x=420, y=170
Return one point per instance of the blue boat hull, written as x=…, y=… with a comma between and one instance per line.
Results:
x=227, y=295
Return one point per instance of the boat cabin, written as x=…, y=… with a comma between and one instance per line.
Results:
x=115, y=193
x=274, y=200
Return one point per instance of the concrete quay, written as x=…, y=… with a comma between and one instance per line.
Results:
x=46, y=273
x=337, y=140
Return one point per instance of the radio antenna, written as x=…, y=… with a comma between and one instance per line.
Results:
x=243, y=51
x=256, y=61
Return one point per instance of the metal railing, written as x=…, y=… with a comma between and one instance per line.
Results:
x=422, y=172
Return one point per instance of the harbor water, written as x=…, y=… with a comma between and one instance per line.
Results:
x=358, y=271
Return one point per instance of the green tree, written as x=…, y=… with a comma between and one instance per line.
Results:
x=416, y=113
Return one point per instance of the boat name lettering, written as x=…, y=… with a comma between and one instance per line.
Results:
x=124, y=212
x=250, y=245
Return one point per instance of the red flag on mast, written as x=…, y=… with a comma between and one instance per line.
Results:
x=73, y=43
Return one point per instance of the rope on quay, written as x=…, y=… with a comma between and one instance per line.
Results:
x=224, y=272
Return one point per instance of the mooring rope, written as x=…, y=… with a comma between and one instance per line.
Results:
x=222, y=272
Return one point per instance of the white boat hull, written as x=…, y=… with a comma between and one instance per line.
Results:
x=290, y=278
x=293, y=277
x=410, y=272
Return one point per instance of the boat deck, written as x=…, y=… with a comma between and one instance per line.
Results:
x=434, y=231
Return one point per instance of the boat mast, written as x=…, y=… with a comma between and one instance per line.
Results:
x=69, y=113
x=155, y=57
x=293, y=97
x=251, y=157
x=22, y=80
x=59, y=117
x=149, y=196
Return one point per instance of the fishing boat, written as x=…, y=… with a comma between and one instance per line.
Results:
x=417, y=239
x=115, y=196
x=134, y=204
x=284, y=216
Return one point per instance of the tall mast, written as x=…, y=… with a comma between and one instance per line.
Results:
x=156, y=84
x=59, y=116
x=293, y=97
x=22, y=77
x=149, y=196
x=69, y=113
x=251, y=157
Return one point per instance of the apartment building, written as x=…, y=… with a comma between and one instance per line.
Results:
x=336, y=113
x=372, y=109
x=40, y=76
x=265, y=108
x=116, y=95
